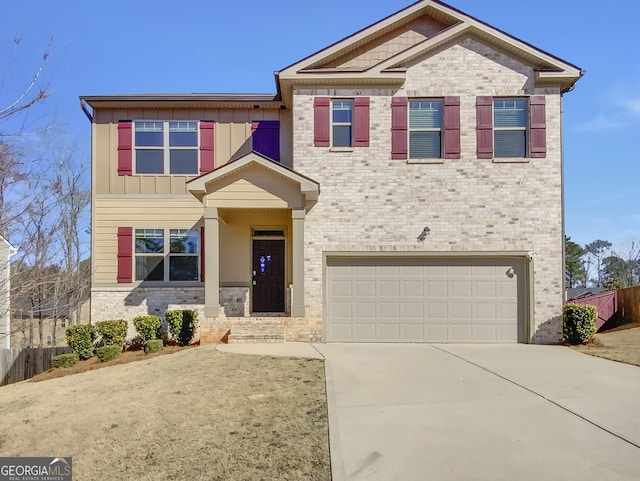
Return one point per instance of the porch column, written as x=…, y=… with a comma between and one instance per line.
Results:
x=297, y=301
x=212, y=262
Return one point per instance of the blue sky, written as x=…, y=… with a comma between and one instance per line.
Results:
x=144, y=46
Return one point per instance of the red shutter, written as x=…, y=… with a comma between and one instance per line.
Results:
x=484, y=127
x=361, y=121
x=125, y=147
x=207, y=160
x=399, y=127
x=125, y=254
x=321, y=121
x=452, y=127
x=202, y=254
x=537, y=127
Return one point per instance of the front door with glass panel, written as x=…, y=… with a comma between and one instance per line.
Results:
x=268, y=276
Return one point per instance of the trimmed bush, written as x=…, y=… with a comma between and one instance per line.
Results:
x=154, y=345
x=182, y=325
x=148, y=326
x=65, y=360
x=579, y=323
x=80, y=339
x=112, y=332
x=106, y=353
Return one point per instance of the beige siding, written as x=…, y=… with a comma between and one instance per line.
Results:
x=152, y=212
x=243, y=193
x=390, y=44
x=232, y=140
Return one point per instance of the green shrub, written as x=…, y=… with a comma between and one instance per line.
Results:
x=182, y=325
x=80, y=339
x=106, y=353
x=579, y=323
x=153, y=345
x=112, y=332
x=65, y=360
x=148, y=326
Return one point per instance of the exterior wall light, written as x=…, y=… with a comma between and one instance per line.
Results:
x=423, y=235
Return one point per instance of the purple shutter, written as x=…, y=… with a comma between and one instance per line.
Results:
x=361, y=122
x=452, y=127
x=399, y=127
x=484, y=127
x=207, y=157
x=537, y=127
x=321, y=110
x=202, y=254
x=125, y=147
x=125, y=254
x=266, y=138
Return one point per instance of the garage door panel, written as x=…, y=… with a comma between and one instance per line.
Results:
x=365, y=332
x=425, y=299
x=413, y=332
x=390, y=332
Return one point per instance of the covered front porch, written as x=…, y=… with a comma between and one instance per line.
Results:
x=254, y=212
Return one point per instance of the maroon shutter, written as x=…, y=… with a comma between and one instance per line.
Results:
x=484, y=127
x=202, y=254
x=361, y=121
x=125, y=254
x=265, y=135
x=452, y=127
x=321, y=121
x=399, y=127
x=537, y=127
x=125, y=147
x=207, y=160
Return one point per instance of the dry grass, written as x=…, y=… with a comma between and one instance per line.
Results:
x=195, y=414
x=621, y=344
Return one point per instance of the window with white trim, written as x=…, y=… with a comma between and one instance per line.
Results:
x=510, y=127
x=167, y=255
x=342, y=122
x=166, y=147
x=425, y=129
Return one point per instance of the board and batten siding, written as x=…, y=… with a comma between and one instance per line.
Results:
x=152, y=212
x=232, y=139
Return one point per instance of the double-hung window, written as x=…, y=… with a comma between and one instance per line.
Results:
x=166, y=255
x=166, y=147
x=342, y=122
x=425, y=129
x=510, y=127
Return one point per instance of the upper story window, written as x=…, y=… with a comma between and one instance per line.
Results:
x=425, y=129
x=169, y=147
x=166, y=255
x=510, y=127
x=342, y=123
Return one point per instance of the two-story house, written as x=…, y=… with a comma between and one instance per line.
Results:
x=403, y=185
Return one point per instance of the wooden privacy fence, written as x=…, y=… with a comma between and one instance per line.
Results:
x=629, y=304
x=606, y=303
x=20, y=364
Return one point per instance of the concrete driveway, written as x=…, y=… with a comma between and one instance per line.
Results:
x=480, y=412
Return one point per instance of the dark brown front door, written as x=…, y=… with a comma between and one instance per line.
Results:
x=268, y=275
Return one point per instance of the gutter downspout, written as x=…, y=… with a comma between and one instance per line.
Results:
x=83, y=105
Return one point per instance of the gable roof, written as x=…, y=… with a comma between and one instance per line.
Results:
x=308, y=187
x=324, y=66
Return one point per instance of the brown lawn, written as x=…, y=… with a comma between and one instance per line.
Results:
x=620, y=344
x=197, y=413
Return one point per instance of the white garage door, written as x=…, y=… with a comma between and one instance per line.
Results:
x=406, y=299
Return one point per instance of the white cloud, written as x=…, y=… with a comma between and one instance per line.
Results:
x=602, y=123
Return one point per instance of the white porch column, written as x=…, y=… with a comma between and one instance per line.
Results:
x=297, y=301
x=212, y=262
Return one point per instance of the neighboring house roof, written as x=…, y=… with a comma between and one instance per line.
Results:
x=12, y=249
x=580, y=292
x=326, y=65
